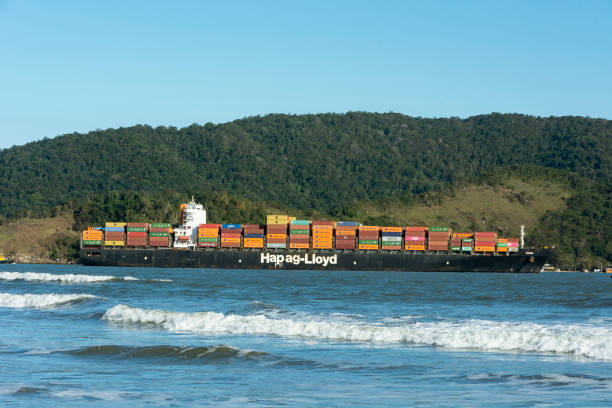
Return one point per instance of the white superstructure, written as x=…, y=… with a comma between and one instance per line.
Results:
x=186, y=234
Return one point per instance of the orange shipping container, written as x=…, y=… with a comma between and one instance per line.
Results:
x=369, y=228
x=414, y=247
x=299, y=246
x=391, y=229
x=368, y=247
x=484, y=249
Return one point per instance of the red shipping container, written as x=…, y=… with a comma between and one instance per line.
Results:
x=137, y=225
x=207, y=244
x=230, y=245
x=137, y=234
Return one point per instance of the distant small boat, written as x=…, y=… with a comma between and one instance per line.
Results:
x=4, y=260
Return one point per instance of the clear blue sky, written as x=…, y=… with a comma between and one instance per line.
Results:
x=70, y=66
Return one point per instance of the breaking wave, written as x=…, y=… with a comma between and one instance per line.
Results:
x=41, y=301
x=68, y=278
x=579, y=340
x=167, y=352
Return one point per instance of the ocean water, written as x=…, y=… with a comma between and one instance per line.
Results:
x=113, y=337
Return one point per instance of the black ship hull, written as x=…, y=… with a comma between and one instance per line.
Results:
x=519, y=262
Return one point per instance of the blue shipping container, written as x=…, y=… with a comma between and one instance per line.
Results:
x=231, y=226
x=391, y=234
x=348, y=223
x=114, y=229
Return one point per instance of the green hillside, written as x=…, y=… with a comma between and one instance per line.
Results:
x=392, y=167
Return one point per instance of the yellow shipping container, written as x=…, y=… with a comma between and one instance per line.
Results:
x=277, y=219
x=114, y=243
x=115, y=224
x=414, y=247
x=502, y=249
x=367, y=247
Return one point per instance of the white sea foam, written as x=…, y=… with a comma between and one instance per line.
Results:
x=44, y=300
x=579, y=340
x=67, y=278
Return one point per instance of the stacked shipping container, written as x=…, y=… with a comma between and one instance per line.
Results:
x=438, y=238
x=415, y=238
x=368, y=237
x=253, y=236
x=346, y=233
x=391, y=238
x=231, y=235
x=513, y=244
x=208, y=235
x=114, y=234
x=137, y=234
x=322, y=234
x=159, y=234
x=485, y=241
x=92, y=236
x=299, y=234
x=457, y=241
x=276, y=231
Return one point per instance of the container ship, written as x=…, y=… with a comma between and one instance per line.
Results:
x=288, y=243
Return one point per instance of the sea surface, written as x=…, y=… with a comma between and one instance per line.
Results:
x=75, y=336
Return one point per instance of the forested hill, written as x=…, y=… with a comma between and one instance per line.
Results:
x=320, y=162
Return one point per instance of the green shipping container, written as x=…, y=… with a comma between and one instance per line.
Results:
x=368, y=242
x=160, y=225
x=438, y=229
x=89, y=242
x=207, y=239
x=159, y=234
x=455, y=248
x=467, y=240
x=392, y=243
x=467, y=249
x=502, y=244
x=300, y=222
x=137, y=229
x=300, y=232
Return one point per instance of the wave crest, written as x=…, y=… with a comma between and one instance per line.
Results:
x=66, y=278
x=70, y=277
x=41, y=301
x=580, y=340
x=166, y=352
